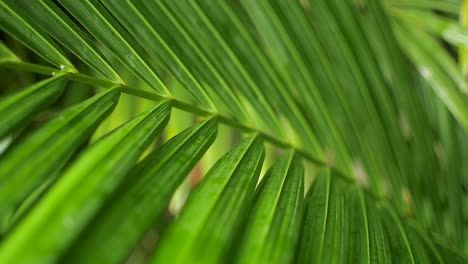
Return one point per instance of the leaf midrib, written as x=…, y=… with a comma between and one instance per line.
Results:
x=186, y=107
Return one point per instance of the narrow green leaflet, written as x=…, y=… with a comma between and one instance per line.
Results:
x=70, y=204
x=274, y=88
x=30, y=67
x=27, y=31
x=445, y=6
x=9, y=60
x=438, y=70
x=453, y=169
x=462, y=51
x=379, y=245
x=406, y=242
x=29, y=164
x=224, y=58
x=6, y=54
x=369, y=94
x=206, y=228
x=106, y=29
x=446, y=28
x=395, y=165
x=449, y=254
x=430, y=46
x=155, y=29
x=17, y=110
x=54, y=21
x=323, y=227
x=367, y=241
x=423, y=244
x=33, y=198
x=356, y=244
x=399, y=242
x=128, y=107
x=135, y=206
x=341, y=224
x=325, y=92
x=410, y=105
x=290, y=70
x=272, y=230
x=368, y=91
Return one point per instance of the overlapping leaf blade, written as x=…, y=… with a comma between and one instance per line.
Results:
x=277, y=89
x=439, y=70
x=410, y=105
x=6, y=54
x=330, y=74
x=216, y=48
x=450, y=255
x=178, y=52
x=106, y=29
x=204, y=231
x=451, y=7
x=54, y=21
x=341, y=224
x=301, y=92
x=322, y=226
x=423, y=245
x=18, y=109
x=29, y=33
x=399, y=242
x=272, y=230
x=142, y=197
x=79, y=194
x=29, y=164
x=379, y=245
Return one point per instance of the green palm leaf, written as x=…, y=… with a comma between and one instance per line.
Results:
x=142, y=199
x=24, y=29
x=21, y=108
x=205, y=229
x=80, y=192
x=29, y=163
x=271, y=234
x=363, y=105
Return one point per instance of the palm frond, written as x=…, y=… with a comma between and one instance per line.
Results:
x=366, y=93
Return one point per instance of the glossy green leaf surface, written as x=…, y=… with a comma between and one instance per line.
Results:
x=142, y=197
x=272, y=230
x=28, y=164
x=361, y=104
x=423, y=247
x=81, y=191
x=399, y=242
x=322, y=216
x=450, y=255
x=191, y=66
x=6, y=54
x=340, y=225
x=54, y=21
x=107, y=30
x=26, y=31
x=18, y=109
x=204, y=230
x=440, y=72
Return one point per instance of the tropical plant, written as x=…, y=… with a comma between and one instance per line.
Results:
x=342, y=131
